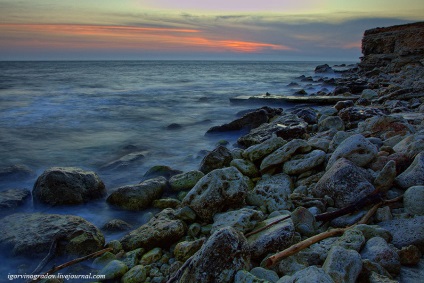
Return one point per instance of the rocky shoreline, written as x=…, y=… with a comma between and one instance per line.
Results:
x=295, y=175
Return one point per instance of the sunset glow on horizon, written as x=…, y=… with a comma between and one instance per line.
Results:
x=146, y=29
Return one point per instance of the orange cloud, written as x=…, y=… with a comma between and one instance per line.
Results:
x=353, y=45
x=122, y=38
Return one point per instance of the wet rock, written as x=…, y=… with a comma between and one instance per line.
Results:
x=356, y=149
x=405, y=232
x=103, y=260
x=352, y=239
x=259, y=151
x=265, y=274
x=331, y=122
x=385, y=126
x=249, y=121
x=343, y=265
x=166, y=203
x=413, y=200
x=212, y=262
x=136, y=274
x=217, y=191
x=116, y=225
x=186, y=214
x=351, y=116
x=410, y=145
x=272, y=193
x=309, y=115
x=304, y=221
x=377, y=250
x=13, y=198
x=185, y=249
x=304, y=162
x=243, y=220
x=126, y=161
x=344, y=182
x=287, y=126
x=68, y=185
x=114, y=270
x=324, y=69
x=243, y=276
x=160, y=171
x=343, y=104
x=17, y=172
x=246, y=167
x=161, y=231
x=185, y=181
x=275, y=238
x=369, y=94
x=414, y=175
x=371, y=231
x=311, y=274
x=138, y=197
x=409, y=255
x=17, y=234
x=386, y=177
x=338, y=138
x=219, y=158
x=319, y=143
x=151, y=256
x=412, y=273
x=132, y=258
x=284, y=153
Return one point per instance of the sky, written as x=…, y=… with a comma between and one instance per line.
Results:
x=195, y=29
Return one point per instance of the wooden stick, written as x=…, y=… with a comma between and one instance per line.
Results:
x=267, y=226
x=72, y=262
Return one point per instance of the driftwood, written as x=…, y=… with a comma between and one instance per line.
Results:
x=72, y=262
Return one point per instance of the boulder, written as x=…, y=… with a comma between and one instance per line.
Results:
x=13, y=198
x=309, y=115
x=31, y=234
x=284, y=153
x=185, y=249
x=311, y=274
x=272, y=193
x=351, y=116
x=356, y=149
x=127, y=161
x=275, y=238
x=185, y=181
x=138, y=197
x=344, y=182
x=385, y=126
x=331, y=122
x=304, y=162
x=116, y=225
x=161, y=231
x=413, y=200
x=323, y=69
x=243, y=220
x=136, y=274
x=385, y=178
x=369, y=94
x=243, y=276
x=405, y=232
x=68, y=185
x=114, y=270
x=414, y=175
x=219, y=158
x=343, y=265
x=246, y=167
x=377, y=250
x=338, y=138
x=410, y=145
x=219, y=259
x=343, y=104
x=17, y=172
x=160, y=171
x=217, y=191
x=288, y=127
x=259, y=151
x=265, y=274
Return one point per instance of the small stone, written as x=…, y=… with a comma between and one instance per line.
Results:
x=219, y=158
x=103, y=260
x=386, y=177
x=185, y=213
x=194, y=230
x=414, y=175
x=376, y=249
x=151, y=256
x=352, y=240
x=343, y=265
x=13, y=198
x=135, y=275
x=304, y=222
x=115, y=245
x=265, y=274
x=160, y=171
x=259, y=151
x=166, y=203
x=369, y=94
x=114, y=270
x=343, y=104
x=132, y=258
x=243, y=220
x=411, y=145
x=413, y=200
x=243, y=276
x=371, y=231
x=246, y=167
x=378, y=278
x=184, y=250
x=185, y=181
x=304, y=162
x=338, y=138
x=383, y=214
x=331, y=122
x=116, y=225
x=311, y=274
x=409, y=255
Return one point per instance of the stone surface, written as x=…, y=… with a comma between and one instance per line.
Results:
x=409, y=255
x=225, y=252
x=309, y=115
x=259, y=151
x=377, y=250
x=135, y=275
x=132, y=258
x=219, y=158
x=114, y=270
x=410, y=145
x=272, y=193
x=265, y=274
x=217, y=191
x=160, y=171
x=343, y=265
x=353, y=115
x=304, y=221
x=161, y=231
x=246, y=167
x=331, y=122
x=126, y=161
x=413, y=175
x=338, y=138
x=185, y=249
x=355, y=148
x=17, y=172
x=166, y=203
x=284, y=153
x=151, y=256
x=138, y=197
x=385, y=126
x=369, y=94
x=344, y=182
x=405, y=232
x=67, y=185
x=31, y=234
x=386, y=176
x=275, y=238
x=243, y=276
x=311, y=274
x=412, y=273
x=352, y=239
x=243, y=220
x=185, y=181
x=304, y=162
x=116, y=225
x=413, y=200
x=13, y=198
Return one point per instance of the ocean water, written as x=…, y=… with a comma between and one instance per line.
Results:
x=88, y=114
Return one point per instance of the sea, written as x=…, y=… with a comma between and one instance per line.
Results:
x=89, y=114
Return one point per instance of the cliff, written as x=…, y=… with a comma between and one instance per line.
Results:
x=392, y=48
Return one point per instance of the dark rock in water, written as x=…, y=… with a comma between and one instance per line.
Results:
x=16, y=172
x=68, y=185
x=301, y=92
x=174, y=126
x=116, y=225
x=249, y=121
x=163, y=230
x=353, y=115
x=220, y=157
x=288, y=127
x=125, y=161
x=138, y=197
x=292, y=84
x=219, y=259
x=32, y=234
x=324, y=69
x=160, y=171
x=13, y=197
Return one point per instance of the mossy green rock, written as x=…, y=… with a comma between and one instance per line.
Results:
x=103, y=260
x=136, y=274
x=246, y=167
x=114, y=270
x=185, y=181
x=151, y=256
x=243, y=276
x=166, y=203
x=184, y=250
x=132, y=258
x=259, y=151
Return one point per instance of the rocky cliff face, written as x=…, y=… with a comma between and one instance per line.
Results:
x=392, y=48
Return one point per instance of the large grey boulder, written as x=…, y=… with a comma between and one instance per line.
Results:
x=68, y=185
x=259, y=151
x=218, y=158
x=343, y=265
x=161, y=231
x=304, y=162
x=344, y=182
x=272, y=193
x=13, y=198
x=414, y=175
x=405, y=232
x=225, y=252
x=185, y=181
x=31, y=234
x=217, y=191
x=138, y=197
x=243, y=220
x=355, y=148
